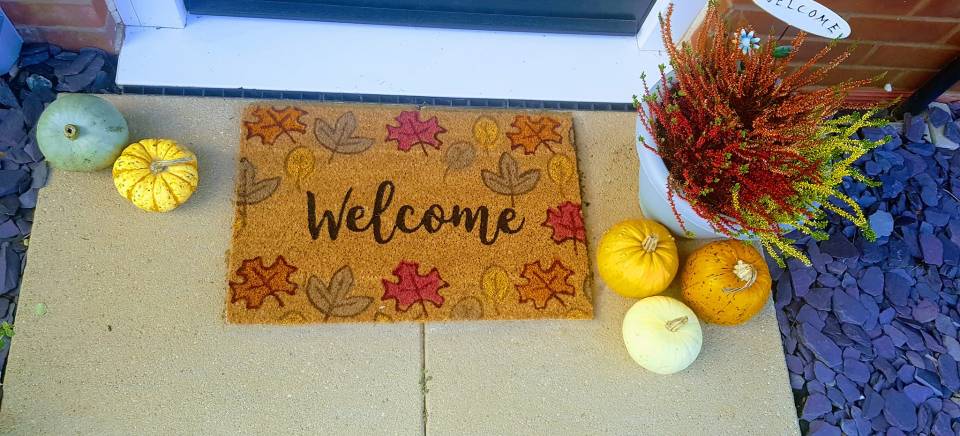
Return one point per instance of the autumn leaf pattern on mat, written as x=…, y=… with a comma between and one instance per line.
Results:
x=412, y=131
x=532, y=132
x=271, y=123
x=260, y=281
x=367, y=213
x=411, y=287
x=566, y=221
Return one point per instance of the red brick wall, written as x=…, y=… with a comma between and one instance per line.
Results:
x=910, y=40
x=71, y=24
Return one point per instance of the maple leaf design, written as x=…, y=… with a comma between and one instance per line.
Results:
x=249, y=190
x=411, y=287
x=412, y=131
x=566, y=221
x=533, y=132
x=544, y=285
x=260, y=282
x=272, y=122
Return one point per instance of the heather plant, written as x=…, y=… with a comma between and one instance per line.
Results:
x=749, y=141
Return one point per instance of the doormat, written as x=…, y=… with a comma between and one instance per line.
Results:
x=351, y=213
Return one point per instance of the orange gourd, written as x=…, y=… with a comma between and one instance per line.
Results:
x=725, y=282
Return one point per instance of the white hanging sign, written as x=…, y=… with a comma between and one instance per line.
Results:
x=808, y=16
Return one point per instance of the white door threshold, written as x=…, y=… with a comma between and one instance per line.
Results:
x=285, y=55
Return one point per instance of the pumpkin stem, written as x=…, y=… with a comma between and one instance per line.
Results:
x=674, y=324
x=746, y=272
x=159, y=166
x=71, y=131
x=650, y=243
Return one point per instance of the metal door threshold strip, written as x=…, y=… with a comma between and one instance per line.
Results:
x=377, y=98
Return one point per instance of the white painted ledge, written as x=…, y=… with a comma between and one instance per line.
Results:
x=226, y=52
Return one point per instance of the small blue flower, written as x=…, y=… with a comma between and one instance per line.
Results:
x=746, y=41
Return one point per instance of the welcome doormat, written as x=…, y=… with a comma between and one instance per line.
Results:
x=389, y=213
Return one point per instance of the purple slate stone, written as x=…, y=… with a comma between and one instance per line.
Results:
x=952, y=132
x=808, y=315
x=882, y=223
x=883, y=346
x=917, y=393
x=815, y=386
x=856, y=370
x=899, y=411
x=887, y=315
x=783, y=294
x=949, y=374
x=944, y=325
x=801, y=276
x=836, y=397
x=922, y=148
x=819, y=298
x=872, y=404
x=952, y=408
x=934, y=404
x=794, y=364
x=839, y=246
x=930, y=380
x=953, y=346
x=821, y=346
x=934, y=217
x=879, y=425
x=848, y=388
x=872, y=281
x=823, y=428
x=848, y=309
x=925, y=311
x=951, y=252
x=941, y=425
x=796, y=381
x=897, y=285
x=835, y=267
x=815, y=406
x=914, y=129
x=895, y=335
x=849, y=427
x=932, y=249
x=9, y=229
x=938, y=116
x=824, y=374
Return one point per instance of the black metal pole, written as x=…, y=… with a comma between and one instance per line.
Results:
x=937, y=85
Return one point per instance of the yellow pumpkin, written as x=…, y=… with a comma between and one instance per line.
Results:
x=725, y=282
x=156, y=175
x=638, y=258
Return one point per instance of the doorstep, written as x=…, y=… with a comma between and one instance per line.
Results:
x=134, y=340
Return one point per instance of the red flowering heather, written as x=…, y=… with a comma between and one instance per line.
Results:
x=744, y=146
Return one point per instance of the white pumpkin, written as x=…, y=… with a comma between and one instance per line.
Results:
x=662, y=334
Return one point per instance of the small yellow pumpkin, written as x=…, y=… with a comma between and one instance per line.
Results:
x=638, y=258
x=725, y=282
x=156, y=175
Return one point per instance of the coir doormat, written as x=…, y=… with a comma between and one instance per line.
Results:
x=381, y=213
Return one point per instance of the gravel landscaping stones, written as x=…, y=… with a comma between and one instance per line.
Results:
x=870, y=330
x=43, y=70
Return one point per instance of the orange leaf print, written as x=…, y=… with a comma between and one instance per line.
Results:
x=272, y=122
x=543, y=285
x=260, y=282
x=533, y=132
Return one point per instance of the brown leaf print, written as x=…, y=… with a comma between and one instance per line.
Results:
x=459, y=156
x=334, y=299
x=509, y=180
x=467, y=308
x=339, y=138
x=249, y=190
x=532, y=132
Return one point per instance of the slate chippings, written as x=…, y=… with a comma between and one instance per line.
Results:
x=870, y=330
x=42, y=71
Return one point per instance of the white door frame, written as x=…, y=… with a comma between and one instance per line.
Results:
x=152, y=13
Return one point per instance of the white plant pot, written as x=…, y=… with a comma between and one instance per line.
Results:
x=653, y=194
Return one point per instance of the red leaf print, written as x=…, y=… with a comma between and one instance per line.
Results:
x=411, y=287
x=543, y=285
x=412, y=131
x=566, y=221
x=260, y=281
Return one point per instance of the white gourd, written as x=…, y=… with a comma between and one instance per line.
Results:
x=662, y=334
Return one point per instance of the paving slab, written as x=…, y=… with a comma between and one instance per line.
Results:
x=134, y=339
x=575, y=377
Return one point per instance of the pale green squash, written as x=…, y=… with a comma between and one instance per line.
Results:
x=81, y=132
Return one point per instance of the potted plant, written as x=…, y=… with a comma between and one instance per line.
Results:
x=734, y=142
